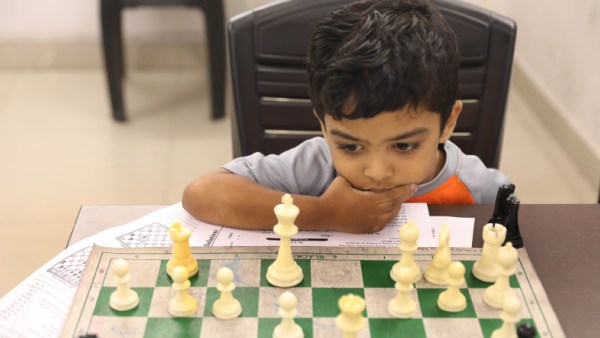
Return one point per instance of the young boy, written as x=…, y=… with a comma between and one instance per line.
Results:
x=383, y=79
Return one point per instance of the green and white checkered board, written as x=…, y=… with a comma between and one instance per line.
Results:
x=329, y=273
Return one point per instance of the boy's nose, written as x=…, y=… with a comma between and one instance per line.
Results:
x=378, y=170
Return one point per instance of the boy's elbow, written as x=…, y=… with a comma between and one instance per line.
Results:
x=191, y=198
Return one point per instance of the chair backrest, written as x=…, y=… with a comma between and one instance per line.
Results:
x=268, y=49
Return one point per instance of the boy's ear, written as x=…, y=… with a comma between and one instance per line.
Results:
x=451, y=122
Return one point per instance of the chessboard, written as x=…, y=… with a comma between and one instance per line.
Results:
x=329, y=273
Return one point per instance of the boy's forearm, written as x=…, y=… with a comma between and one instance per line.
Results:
x=227, y=199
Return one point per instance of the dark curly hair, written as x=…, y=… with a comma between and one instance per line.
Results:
x=382, y=55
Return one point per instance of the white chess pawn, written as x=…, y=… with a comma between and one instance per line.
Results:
x=123, y=298
x=510, y=315
x=285, y=272
x=493, y=237
x=506, y=260
x=226, y=307
x=452, y=300
x=403, y=306
x=183, y=304
x=437, y=271
x=350, y=320
x=287, y=310
x=409, y=235
x=182, y=253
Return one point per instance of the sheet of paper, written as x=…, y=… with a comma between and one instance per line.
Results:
x=38, y=306
x=461, y=230
x=388, y=236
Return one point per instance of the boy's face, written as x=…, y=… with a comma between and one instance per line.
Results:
x=391, y=149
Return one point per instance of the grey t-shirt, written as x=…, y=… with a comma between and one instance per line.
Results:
x=308, y=170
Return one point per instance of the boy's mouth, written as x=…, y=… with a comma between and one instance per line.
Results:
x=381, y=189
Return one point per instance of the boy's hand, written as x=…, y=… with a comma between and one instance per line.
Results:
x=356, y=211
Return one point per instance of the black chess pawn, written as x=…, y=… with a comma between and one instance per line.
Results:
x=511, y=222
x=501, y=208
x=526, y=331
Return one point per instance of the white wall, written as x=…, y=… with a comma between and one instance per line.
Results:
x=77, y=21
x=557, y=43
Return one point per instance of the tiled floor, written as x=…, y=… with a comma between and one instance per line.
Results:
x=60, y=149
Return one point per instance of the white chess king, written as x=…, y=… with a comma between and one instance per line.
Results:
x=285, y=272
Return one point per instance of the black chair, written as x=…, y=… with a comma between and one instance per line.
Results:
x=268, y=49
x=110, y=14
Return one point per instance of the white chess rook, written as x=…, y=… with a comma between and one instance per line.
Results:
x=123, y=298
x=226, y=307
x=403, y=306
x=493, y=237
x=506, y=260
x=510, y=315
x=437, y=271
x=409, y=235
x=285, y=272
x=183, y=304
x=287, y=310
x=350, y=320
x=182, y=253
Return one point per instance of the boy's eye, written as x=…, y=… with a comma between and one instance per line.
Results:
x=350, y=148
x=404, y=147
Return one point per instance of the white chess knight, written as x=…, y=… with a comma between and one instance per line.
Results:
x=510, y=316
x=123, y=298
x=287, y=310
x=437, y=271
x=226, y=307
x=285, y=272
x=350, y=320
x=403, y=306
x=409, y=235
x=452, y=300
x=506, y=260
x=493, y=237
x=183, y=304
